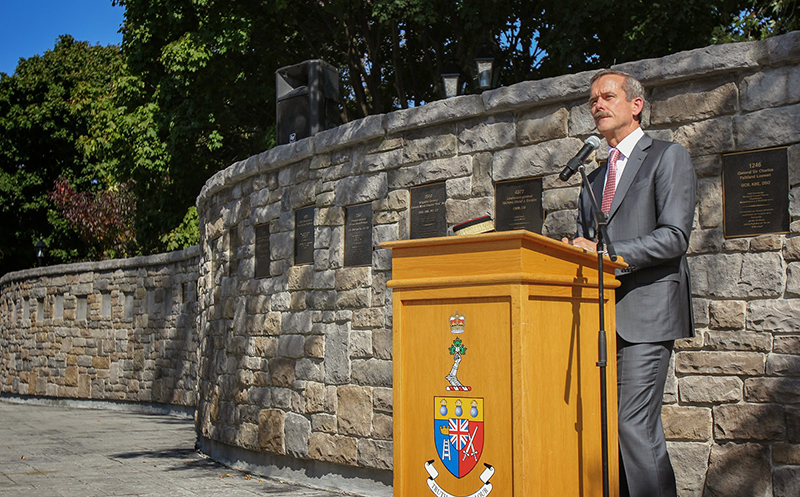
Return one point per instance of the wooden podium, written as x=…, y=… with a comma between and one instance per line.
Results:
x=496, y=386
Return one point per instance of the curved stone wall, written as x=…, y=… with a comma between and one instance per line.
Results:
x=291, y=372
x=121, y=330
x=298, y=363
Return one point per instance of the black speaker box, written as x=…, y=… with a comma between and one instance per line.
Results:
x=307, y=100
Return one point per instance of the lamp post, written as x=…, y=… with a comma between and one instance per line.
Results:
x=484, y=61
x=451, y=76
x=41, y=251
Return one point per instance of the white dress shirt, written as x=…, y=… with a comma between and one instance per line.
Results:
x=625, y=148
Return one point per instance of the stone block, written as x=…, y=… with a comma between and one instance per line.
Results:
x=333, y=448
x=460, y=188
x=463, y=210
x=362, y=188
x=382, y=426
x=710, y=389
x=774, y=316
x=534, y=160
x=297, y=322
x=786, y=481
x=786, y=344
x=546, y=123
x=690, y=463
x=354, y=299
x=727, y=314
x=370, y=318
x=382, y=343
x=544, y=91
x=282, y=372
x=737, y=275
x=297, y=429
x=430, y=171
x=719, y=363
x=707, y=137
x=491, y=133
x=437, y=112
x=325, y=423
x=765, y=243
x=559, y=224
x=700, y=311
x=709, y=196
x=314, y=347
x=292, y=346
x=783, y=129
x=770, y=87
x=737, y=340
x=738, y=469
x=360, y=344
x=775, y=390
x=793, y=424
x=337, y=357
x=301, y=277
x=350, y=133
x=271, y=434
x=354, y=416
x=749, y=422
x=560, y=198
x=686, y=423
x=704, y=241
x=353, y=277
x=793, y=280
x=373, y=372
x=375, y=454
x=785, y=453
x=783, y=365
x=694, y=101
x=310, y=369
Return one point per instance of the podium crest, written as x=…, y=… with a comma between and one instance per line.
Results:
x=458, y=433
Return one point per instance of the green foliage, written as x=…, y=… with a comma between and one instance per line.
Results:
x=46, y=109
x=760, y=19
x=186, y=234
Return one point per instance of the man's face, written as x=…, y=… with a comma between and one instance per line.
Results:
x=612, y=113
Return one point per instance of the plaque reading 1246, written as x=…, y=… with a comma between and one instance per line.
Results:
x=755, y=192
x=428, y=215
x=518, y=205
x=304, y=235
x=358, y=235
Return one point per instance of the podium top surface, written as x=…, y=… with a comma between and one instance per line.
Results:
x=505, y=255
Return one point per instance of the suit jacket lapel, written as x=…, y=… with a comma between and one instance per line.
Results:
x=632, y=167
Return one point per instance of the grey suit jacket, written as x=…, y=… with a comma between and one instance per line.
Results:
x=649, y=225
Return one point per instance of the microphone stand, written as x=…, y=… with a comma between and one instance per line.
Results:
x=603, y=244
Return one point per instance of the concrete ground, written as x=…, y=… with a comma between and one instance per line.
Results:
x=60, y=451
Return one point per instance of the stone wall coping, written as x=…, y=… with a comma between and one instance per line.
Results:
x=107, y=265
x=706, y=61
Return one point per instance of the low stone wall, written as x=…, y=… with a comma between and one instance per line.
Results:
x=298, y=363
x=121, y=330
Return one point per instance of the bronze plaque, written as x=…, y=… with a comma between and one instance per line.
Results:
x=234, y=242
x=428, y=215
x=262, y=251
x=518, y=205
x=755, y=192
x=358, y=235
x=304, y=235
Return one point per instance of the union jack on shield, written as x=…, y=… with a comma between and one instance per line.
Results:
x=458, y=433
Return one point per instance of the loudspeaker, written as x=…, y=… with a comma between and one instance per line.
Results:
x=307, y=100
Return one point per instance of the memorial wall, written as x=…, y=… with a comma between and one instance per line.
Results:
x=293, y=324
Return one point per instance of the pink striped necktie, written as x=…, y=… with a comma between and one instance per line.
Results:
x=611, y=181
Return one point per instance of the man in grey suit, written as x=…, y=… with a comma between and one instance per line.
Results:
x=648, y=192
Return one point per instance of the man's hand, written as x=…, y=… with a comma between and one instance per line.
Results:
x=583, y=243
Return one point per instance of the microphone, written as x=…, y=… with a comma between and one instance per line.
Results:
x=574, y=163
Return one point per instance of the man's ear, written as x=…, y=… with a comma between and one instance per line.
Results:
x=638, y=106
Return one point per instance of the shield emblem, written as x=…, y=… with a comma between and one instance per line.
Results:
x=458, y=433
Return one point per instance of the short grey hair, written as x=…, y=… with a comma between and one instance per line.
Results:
x=631, y=86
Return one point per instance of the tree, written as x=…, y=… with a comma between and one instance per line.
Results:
x=46, y=110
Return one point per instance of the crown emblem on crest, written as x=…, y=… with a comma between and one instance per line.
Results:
x=457, y=322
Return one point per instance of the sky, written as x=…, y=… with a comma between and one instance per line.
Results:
x=30, y=27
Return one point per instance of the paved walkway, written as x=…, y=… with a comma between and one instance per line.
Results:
x=58, y=451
